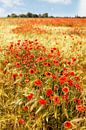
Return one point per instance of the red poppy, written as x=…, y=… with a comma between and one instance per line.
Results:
x=56, y=100
x=80, y=108
x=17, y=64
x=56, y=87
x=20, y=74
x=30, y=96
x=65, y=90
x=62, y=79
x=77, y=78
x=31, y=71
x=56, y=62
x=77, y=101
x=21, y=121
x=42, y=102
x=49, y=92
x=40, y=59
x=70, y=82
x=48, y=74
x=65, y=97
x=15, y=75
x=77, y=86
x=72, y=73
x=27, y=80
x=38, y=82
x=46, y=64
x=6, y=62
x=25, y=108
x=73, y=59
x=54, y=76
x=67, y=124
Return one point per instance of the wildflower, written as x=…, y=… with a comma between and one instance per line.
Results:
x=21, y=121
x=65, y=69
x=30, y=96
x=73, y=59
x=62, y=79
x=42, y=101
x=77, y=101
x=15, y=75
x=80, y=108
x=31, y=71
x=56, y=62
x=70, y=82
x=27, y=80
x=67, y=124
x=77, y=86
x=77, y=78
x=65, y=97
x=25, y=108
x=6, y=62
x=56, y=99
x=46, y=64
x=49, y=92
x=48, y=74
x=40, y=59
x=17, y=64
x=72, y=73
x=20, y=74
x=56, y=87
x=65, y=90
x=38, y=82
x=54, y=76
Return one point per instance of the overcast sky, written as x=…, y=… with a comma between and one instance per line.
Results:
x=52, y=7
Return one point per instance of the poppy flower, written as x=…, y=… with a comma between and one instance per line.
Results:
x=27, y=80
x=54, y=76
x=77, y=101
x=62, y=79
x=56, y=62
x=49, y=92
x=65, y=98
x=15, y=75
x=65, y=90
x=46, y=64
x=80, y=108
x=67, y=124
x=48, y=74
x=25, y=108
x=21, y=121
x=72, y=73
x=30, y=96
x=56, y=100
x=31, y=71
x=38, y=82
x=70, y=82
x=42, y=101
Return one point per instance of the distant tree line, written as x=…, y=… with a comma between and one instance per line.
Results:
x=31, y=15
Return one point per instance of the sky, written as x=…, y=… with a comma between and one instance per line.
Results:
x=52, y=7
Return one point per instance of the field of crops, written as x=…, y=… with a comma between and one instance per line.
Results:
x=42, y=74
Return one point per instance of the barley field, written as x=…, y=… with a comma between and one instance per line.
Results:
x=42, y=74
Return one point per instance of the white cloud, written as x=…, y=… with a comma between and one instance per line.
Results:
x=59, y=1
x=82, y=8
x=11, y=3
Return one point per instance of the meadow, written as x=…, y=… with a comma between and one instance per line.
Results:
x=42, y=74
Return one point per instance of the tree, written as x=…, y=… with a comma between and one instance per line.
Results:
x=45, y=15
x=13, y=15
x=22, y=16
x=29, y=15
